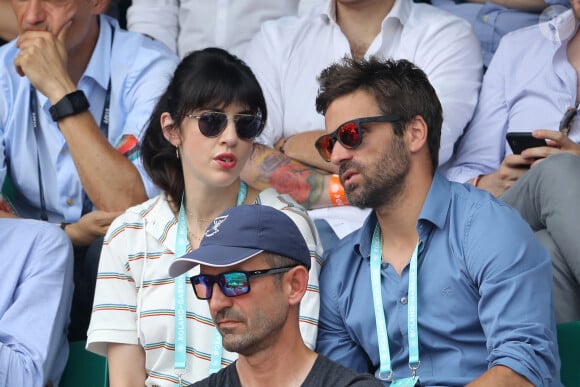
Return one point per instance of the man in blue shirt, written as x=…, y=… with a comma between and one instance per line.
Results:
x=443, y=284
x=75, y=93
x=35, y=299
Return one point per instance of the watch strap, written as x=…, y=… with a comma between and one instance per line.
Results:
x=72, y=103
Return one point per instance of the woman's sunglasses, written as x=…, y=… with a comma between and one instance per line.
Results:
x=232, y=283
x=349, y=134
x=211, y=124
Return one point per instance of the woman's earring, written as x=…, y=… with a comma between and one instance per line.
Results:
x=177, y=152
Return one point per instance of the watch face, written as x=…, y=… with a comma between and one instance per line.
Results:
x=70, y=104
x=77, y=100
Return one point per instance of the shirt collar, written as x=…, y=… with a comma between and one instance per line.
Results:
x=401, y=11
x=434, y=213
x=561, y=28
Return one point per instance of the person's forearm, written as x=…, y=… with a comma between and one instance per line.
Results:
x=8, y=24
x=269, y=168
x=110, y=180
x=300, y=147
x=500, y=376
x=126, y=364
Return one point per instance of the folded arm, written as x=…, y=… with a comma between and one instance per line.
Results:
x=270, y=168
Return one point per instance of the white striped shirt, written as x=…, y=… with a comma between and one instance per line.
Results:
x=134, y=298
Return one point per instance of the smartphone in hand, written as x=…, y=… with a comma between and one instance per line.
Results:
x=519, y=141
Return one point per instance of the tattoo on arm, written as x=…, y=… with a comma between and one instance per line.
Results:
x=305, y=184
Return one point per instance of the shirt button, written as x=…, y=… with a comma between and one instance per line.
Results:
x=70, y=201
x=404, y=300
x=485, y=18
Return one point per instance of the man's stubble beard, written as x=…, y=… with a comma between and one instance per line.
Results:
x=382, y=182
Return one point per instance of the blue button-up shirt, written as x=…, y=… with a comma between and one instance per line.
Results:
x=484, y=295
x=35, y=298
x=139, y=69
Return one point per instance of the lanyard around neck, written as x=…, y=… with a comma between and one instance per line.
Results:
x=181, y=247
x=104, y=126
x=385, y=370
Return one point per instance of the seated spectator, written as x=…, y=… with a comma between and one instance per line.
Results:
x=75, y=91
x=491, y=20
x=198, y=139
x=287, y=56
x=258, y=317
x=185, y=26
x=460, y=287
x=530, y=86
x=37, y=287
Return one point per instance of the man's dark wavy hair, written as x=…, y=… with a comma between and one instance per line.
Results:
x=399, y=86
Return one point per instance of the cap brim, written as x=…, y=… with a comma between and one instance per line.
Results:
x=214, y=256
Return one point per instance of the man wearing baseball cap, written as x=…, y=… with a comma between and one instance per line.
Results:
x=259, y=260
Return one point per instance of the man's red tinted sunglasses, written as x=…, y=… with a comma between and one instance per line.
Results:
x=348, y=134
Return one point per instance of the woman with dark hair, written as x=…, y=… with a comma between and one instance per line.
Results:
x=151, y=327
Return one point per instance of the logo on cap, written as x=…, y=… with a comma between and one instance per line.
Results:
x=214, y=228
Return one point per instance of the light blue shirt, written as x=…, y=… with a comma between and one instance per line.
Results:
x=35, y=298
x=139, y=69
x=484, y=295
x=491, y=21
x=528, y=85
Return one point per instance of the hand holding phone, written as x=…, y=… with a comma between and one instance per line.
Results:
x=519, y=141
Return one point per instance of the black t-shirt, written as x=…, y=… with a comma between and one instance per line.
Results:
x=324, y=372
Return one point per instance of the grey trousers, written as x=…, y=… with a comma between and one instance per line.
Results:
x=548, y=198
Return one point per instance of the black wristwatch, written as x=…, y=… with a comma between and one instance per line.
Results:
x=70, y=104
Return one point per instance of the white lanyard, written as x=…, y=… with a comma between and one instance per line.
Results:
x=385, y=370
x=181, y=246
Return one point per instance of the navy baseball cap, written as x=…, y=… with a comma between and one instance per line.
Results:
x=243, y=232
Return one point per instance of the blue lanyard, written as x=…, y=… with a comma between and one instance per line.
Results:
x=181, y=247
x=385, y=370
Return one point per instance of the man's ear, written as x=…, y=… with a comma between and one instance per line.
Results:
x=296, y=284
x=416, y=134
x=170, y=132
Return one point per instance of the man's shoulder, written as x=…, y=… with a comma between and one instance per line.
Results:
x=128, y=43
x=226, y=377
x=532, y=41
x=426, y=16
x=326, y=372
x=133, y=49
x=289, y=31
x=292, y=22
x=38, y=237
x=466, y=197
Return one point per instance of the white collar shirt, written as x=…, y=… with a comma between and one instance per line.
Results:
x=288, y=55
